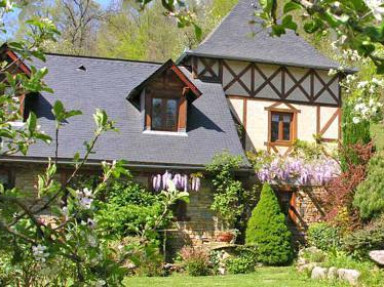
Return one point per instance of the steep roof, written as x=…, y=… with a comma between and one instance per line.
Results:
x=105, y=84
x=235, y=38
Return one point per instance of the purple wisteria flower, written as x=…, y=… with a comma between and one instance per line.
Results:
x=297, y=171
x=181, y=182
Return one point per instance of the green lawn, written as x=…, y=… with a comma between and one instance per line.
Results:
x=268, y=276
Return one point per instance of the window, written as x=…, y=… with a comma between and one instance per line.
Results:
x=164, y=114
x=281, y=127
x=5, y=179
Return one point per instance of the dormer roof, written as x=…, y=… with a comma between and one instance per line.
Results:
x=169, y=65
x=237, y=39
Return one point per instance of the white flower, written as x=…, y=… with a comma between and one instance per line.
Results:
x=332, y=72
x=39, y=253
x=362, y=84
x=376, y=7
x=356, y=120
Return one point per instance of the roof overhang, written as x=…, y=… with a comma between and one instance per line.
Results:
x=169, y=65
x=188, y=54
x=97, y=163
x=6, y=51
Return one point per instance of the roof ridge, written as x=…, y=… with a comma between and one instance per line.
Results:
x=103, y=58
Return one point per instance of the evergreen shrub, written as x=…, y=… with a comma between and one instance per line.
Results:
x=268, y=231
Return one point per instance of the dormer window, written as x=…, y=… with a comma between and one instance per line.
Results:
x=164, y=97
x=165, y=114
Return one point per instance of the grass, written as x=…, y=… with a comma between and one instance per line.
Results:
x=265, y=276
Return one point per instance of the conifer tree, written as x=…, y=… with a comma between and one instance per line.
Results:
x=268, y=231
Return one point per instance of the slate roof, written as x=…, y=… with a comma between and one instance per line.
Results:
x=233, y=39
x=105, y=84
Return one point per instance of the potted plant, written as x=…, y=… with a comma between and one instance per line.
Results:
x=226, y=236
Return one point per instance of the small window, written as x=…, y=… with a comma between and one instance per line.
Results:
x=5, y=179
x=281, y=127
x=164, y=114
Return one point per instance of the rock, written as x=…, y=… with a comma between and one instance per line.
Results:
x=377, y=256
x=319, y=273
x=349, y=275
x=221, y=270
x=306, y=268
x=332, y=273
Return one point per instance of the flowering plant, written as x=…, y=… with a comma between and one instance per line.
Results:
x=296, y=170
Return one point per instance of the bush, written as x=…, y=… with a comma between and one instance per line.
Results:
x=267, y=230
x=360, y=242
x=195, y=261
x=323, y=236
x=128, y=207
x=240, y=265
x=369, y=196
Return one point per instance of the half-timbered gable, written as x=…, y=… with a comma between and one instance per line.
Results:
x=258, y=72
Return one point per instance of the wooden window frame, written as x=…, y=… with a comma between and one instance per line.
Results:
x=181, y=118
x=293, y=127
x=164, y=101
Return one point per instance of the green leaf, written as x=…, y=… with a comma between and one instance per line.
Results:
x=291, y=6
x=198, y=31
x=31, y=122
x=289, y=23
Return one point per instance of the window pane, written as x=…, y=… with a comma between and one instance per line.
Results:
x=156, y=113
x=275, y=118
x=274, y=131
x=287, y=131
x=287, y=118
x=171, y=115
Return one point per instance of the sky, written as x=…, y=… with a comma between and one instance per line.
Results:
x=10, y=19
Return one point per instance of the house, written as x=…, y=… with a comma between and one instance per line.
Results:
x=178, y=116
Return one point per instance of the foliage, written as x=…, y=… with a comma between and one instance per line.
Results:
x=357, y=24
x=228, y=194
x=323, y=236
x=370, y=237
x=370, y=276
x=354, y=133
x=369, y=196
x=268, y=231
x=240, y=264
x=127, y=208
x=195, y=261
x=338, y=198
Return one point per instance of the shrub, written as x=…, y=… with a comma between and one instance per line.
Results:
x=267, y=230
x=227, y=201
x=323, y=236
x=360, y=242
x=369, y=196
x=195, y=261
x=240, y=265
x=127, y=209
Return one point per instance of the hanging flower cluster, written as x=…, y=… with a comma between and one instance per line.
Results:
x=297, y=171
x=181, y=181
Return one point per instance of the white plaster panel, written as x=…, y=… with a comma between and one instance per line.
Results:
x=257, y=124
x=237, y=105
x=325, y=114
x=236, y=89
x=306, y=122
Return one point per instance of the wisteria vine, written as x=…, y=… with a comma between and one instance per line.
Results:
x=298, y=171
x=182, y=182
